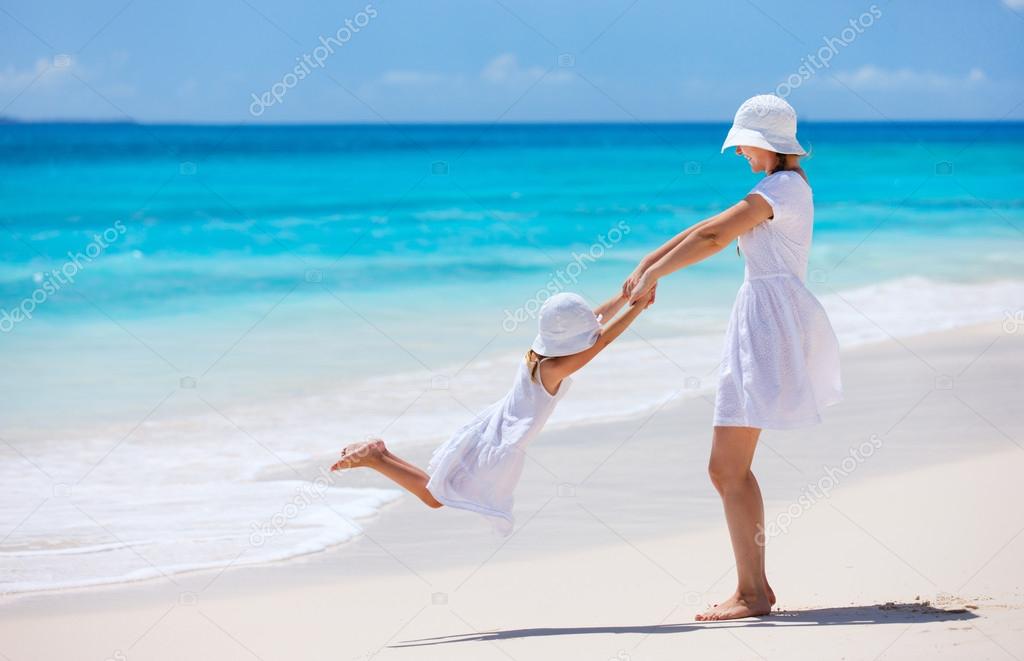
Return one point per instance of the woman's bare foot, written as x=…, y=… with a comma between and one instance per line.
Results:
x=771, y=592
x=364, y=453
x=736, y=607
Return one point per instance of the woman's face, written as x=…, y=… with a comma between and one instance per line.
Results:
x=761, y=160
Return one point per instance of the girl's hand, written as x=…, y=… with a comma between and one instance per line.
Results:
x=654, y=291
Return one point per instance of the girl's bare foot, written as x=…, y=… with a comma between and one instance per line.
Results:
x=364, y=453
x=771, y=593
x=736, y=607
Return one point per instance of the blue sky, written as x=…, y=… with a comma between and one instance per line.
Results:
x=513, y=60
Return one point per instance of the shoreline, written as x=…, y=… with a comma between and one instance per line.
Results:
x=176, y=464
x=550, y=476
x=620, y=540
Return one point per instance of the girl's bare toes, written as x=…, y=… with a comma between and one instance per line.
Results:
x=360, y=454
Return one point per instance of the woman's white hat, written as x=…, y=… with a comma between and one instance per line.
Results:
x=765, y=121
x=566, y=326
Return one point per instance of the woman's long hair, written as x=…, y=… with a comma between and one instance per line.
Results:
x=785, y=162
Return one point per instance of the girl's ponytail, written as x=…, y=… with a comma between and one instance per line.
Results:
x=533, y=362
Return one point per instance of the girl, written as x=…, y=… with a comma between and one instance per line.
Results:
x=478, y=468
x=780, y=365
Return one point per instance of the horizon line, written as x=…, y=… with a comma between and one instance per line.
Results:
x=14, y=121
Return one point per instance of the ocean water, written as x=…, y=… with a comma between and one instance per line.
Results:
x=190, y=317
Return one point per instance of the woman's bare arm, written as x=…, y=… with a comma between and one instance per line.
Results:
x=657, y=254
x=710, y=236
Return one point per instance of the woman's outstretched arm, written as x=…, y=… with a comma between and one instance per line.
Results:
x=656, y=254
x=707, y=238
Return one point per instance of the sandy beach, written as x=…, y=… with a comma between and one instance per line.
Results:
x=894, y=529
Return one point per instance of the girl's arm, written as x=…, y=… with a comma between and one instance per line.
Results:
x=709, y=237
x=611, y=307
x=561, y=367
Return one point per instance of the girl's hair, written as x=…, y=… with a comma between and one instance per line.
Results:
x=533, y=362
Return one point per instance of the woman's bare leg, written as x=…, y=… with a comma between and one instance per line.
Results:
x=374, y=454
x=732, y=453
x=762, y=544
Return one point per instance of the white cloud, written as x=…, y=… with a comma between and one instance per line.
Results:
x=1014, y=4
x=872, y=77
x=505, y=67
x=65, y=77
x=503, y=70
x=45, y=72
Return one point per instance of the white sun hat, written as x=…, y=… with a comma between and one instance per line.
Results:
x=566, y=326
x=765, y=121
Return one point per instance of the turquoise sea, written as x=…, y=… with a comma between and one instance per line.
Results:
x=176, y=298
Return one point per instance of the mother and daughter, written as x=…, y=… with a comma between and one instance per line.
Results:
x=779, y=369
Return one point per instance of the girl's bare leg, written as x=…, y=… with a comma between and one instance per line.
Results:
x=374, y=454
x=732, y=453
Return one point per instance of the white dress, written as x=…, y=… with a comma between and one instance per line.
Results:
x=478, y=468
x=780, y=364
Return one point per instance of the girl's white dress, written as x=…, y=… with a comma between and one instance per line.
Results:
x=478, y=468
x=780, y=365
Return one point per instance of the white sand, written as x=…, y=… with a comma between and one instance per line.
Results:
x=613, y=564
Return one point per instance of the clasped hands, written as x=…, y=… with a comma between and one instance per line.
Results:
x=641, y=285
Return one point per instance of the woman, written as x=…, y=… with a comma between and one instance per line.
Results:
x=780, y=364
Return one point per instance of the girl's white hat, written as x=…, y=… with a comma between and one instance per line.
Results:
x=566, y=326
x=765, y=121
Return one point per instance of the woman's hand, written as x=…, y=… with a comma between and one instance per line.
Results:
x=650, y=299
x=630, y=283
x=629, y=286
x=644, y=289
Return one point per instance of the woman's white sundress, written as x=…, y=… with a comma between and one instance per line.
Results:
x=780, y=364
x=478, y=468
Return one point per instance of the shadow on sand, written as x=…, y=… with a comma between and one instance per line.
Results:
x=891, y=613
